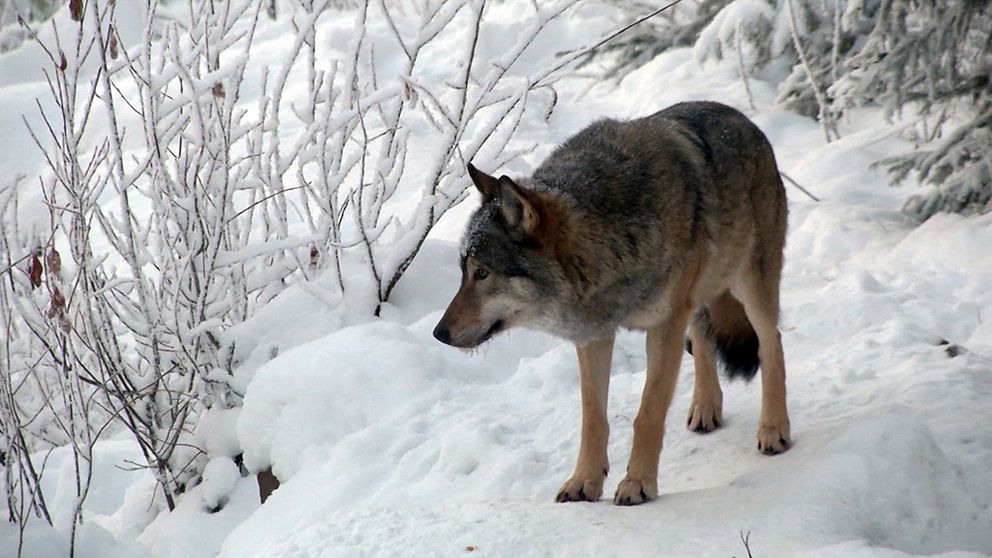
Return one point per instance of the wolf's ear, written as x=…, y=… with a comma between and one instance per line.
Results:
x=518, y=210
x=487, y=185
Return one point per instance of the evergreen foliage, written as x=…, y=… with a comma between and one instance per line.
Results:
x=926, y=62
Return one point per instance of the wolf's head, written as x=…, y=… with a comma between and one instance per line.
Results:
x=506, y=270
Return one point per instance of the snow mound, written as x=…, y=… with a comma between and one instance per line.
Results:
x=316, y=394
x=884, y=481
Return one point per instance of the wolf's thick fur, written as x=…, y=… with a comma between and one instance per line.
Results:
x=663, y=223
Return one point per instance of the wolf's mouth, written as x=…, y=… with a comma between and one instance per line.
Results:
x=493, y=330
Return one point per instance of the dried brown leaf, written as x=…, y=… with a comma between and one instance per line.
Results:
x=76, y=10
x=34, y=271
x=314, y=258
x=113, y=47
x=408, y=93
x=58, y=303
x=54, y=262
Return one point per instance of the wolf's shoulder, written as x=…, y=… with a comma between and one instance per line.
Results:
x=602, y=168
x=601, y=149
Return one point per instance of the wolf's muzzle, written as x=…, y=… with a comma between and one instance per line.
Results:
x=442, y=334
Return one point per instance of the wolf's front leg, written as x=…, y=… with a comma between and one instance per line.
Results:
x=664, y=348
x=586, y=482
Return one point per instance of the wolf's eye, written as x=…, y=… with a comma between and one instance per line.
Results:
x=481, y=274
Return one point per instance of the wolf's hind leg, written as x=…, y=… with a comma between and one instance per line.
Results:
x=664, y=348
x=706, y=410
x=759, y=294
x=586, y=482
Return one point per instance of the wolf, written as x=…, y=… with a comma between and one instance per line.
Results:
x=671, y=222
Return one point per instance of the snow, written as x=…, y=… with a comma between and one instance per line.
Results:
x=193, y=528
x=390, y=444
x=111, y=481
x=886, y=454
x=721, y=35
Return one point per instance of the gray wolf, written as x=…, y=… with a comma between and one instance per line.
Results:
x=665, y=223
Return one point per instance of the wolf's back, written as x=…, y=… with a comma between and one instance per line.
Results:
x=693, y=150
x=657, y=195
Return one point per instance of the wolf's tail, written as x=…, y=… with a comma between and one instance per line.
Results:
x=725, y=322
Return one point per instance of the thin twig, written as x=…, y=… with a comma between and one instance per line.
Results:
x=746, y=539
x=797, y=185
x=584, y=51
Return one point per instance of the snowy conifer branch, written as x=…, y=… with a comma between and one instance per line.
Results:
x=923, y=62
x=826, y=118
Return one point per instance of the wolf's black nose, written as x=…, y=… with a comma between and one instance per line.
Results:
x=442, y=334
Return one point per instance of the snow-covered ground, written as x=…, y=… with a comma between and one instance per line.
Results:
x=391, y=444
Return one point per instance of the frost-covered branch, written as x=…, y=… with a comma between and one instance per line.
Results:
x=188, y=184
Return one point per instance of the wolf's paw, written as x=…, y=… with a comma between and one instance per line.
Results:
x=705, y=416
x=773, y=437
x=632, y=492
x=581, y=489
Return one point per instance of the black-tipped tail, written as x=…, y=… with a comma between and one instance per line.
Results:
x=725, y=322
